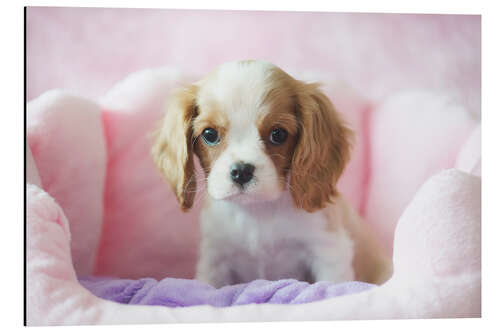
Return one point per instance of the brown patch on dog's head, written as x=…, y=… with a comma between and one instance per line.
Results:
x=317, y=148
x=281, y=114
x=209, y=117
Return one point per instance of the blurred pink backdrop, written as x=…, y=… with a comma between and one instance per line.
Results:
x=87, y=50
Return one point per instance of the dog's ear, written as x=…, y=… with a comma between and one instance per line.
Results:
x=173, y=147
x=322, y=150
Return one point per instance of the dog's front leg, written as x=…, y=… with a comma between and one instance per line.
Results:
x=213, y=268
x=333, y=260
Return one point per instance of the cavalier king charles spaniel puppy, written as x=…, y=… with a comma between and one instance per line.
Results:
x=272, y=149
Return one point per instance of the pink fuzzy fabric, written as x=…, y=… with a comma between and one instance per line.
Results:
x=60, y=125
x=408, y=85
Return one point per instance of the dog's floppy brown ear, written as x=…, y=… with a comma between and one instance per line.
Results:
x=322, y=149
x=173, y=147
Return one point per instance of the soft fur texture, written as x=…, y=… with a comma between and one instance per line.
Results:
x=275, y=226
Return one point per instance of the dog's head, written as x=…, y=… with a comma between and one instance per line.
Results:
x=257, y=132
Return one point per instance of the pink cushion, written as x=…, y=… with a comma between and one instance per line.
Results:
x=65, y=135
x=415, y=134
x=437, y=269
x=97, y=203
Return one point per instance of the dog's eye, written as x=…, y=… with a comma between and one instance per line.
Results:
x=278, y=136
x=210, y=136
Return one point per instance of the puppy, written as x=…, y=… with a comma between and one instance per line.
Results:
x=272, y=149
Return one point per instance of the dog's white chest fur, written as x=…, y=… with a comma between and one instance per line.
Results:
x=270, y=240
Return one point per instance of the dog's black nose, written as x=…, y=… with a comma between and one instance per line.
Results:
x=242, y=173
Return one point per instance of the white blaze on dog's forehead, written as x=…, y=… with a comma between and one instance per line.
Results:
x=238, y=89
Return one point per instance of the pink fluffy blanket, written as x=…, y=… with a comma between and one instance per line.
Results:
x=97, y=206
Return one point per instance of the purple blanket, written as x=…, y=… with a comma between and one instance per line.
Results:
x=182, y=292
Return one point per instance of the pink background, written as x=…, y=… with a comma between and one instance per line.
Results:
x=87, y=50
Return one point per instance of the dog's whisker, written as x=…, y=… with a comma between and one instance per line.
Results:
x=189, y=182
x=200, y=196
